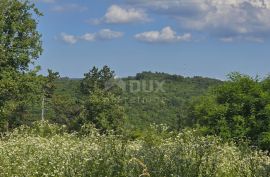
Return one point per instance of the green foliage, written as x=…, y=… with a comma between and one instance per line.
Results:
x=18, y=92
x=64, y=105
x=169, y=107
x=20, y=42
x=264, y=140
x=103, y=110
x=176, y=154
x=20, y=45
x=101, y=105
x=50, y=86
x=154, y=135
x=64, y=109
x=39, y=129
x=141, y=108
x=96, y=79
x=236, y=109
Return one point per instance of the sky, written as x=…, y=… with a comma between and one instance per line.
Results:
x=208, y=38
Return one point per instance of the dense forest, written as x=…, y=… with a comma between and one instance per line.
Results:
x=236, y=108
x=145, y=108
x=151, y=124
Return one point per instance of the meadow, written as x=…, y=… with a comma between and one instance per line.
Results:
x=47, y=150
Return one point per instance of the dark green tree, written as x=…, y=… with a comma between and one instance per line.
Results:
x=50, y=85
x=48, y=89
x=102, y=105
x=20, y=42
x=237, y=109
x=20, y=46
x=96, y=79
x=104, y=110
x=65, y=110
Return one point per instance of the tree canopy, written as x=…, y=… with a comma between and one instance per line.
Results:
x=20, y=46
x=239, y=108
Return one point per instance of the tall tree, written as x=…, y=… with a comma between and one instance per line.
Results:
x=48, y=89
x=101, y=104
x=20, y=46
x=20, y=42
x=96, y=79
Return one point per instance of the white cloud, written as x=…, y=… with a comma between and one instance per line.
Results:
x=70, y=39
x=108, y=34
x=166, y=35
x=227, y=39
x=69, y=8
x=104, y=34
x=47, y=1
x=242, y=38
x=230, y=19
x=88, y=37
x=119, y=15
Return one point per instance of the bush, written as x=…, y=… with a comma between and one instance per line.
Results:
x=264, y=140
x=39, y=129
x=185, y=154
x=240, y=108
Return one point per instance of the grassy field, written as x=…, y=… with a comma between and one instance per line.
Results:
x=46, y=150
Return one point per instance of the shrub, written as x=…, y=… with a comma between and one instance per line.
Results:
x=185, y=154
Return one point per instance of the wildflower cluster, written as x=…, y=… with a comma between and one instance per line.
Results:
x=24, y=153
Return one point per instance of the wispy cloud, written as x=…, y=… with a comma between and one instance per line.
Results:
x=107, y=34
x=104, y=34
x=69, y=8
x=70, y=39
x=119, y=15
x=242, y=38
x=46, y=1
x=166, y=35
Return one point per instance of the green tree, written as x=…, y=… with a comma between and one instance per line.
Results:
x=48, y=89
x=103, y=110
x=66, y=109
x=102, y=105
x=20, y=42
x=237, y=109
x=97, y=79
x=18, y=93
x=20, y=46
x=50, y=84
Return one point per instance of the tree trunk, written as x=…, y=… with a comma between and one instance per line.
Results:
x=43, y=109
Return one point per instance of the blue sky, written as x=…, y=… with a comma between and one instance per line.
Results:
x=187, y=37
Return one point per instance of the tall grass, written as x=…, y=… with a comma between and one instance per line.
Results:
x=46, y=151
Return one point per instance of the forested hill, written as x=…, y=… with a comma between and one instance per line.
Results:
x=166, y=106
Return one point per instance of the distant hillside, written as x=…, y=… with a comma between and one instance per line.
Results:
x=144, y=108
x=164, y=107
